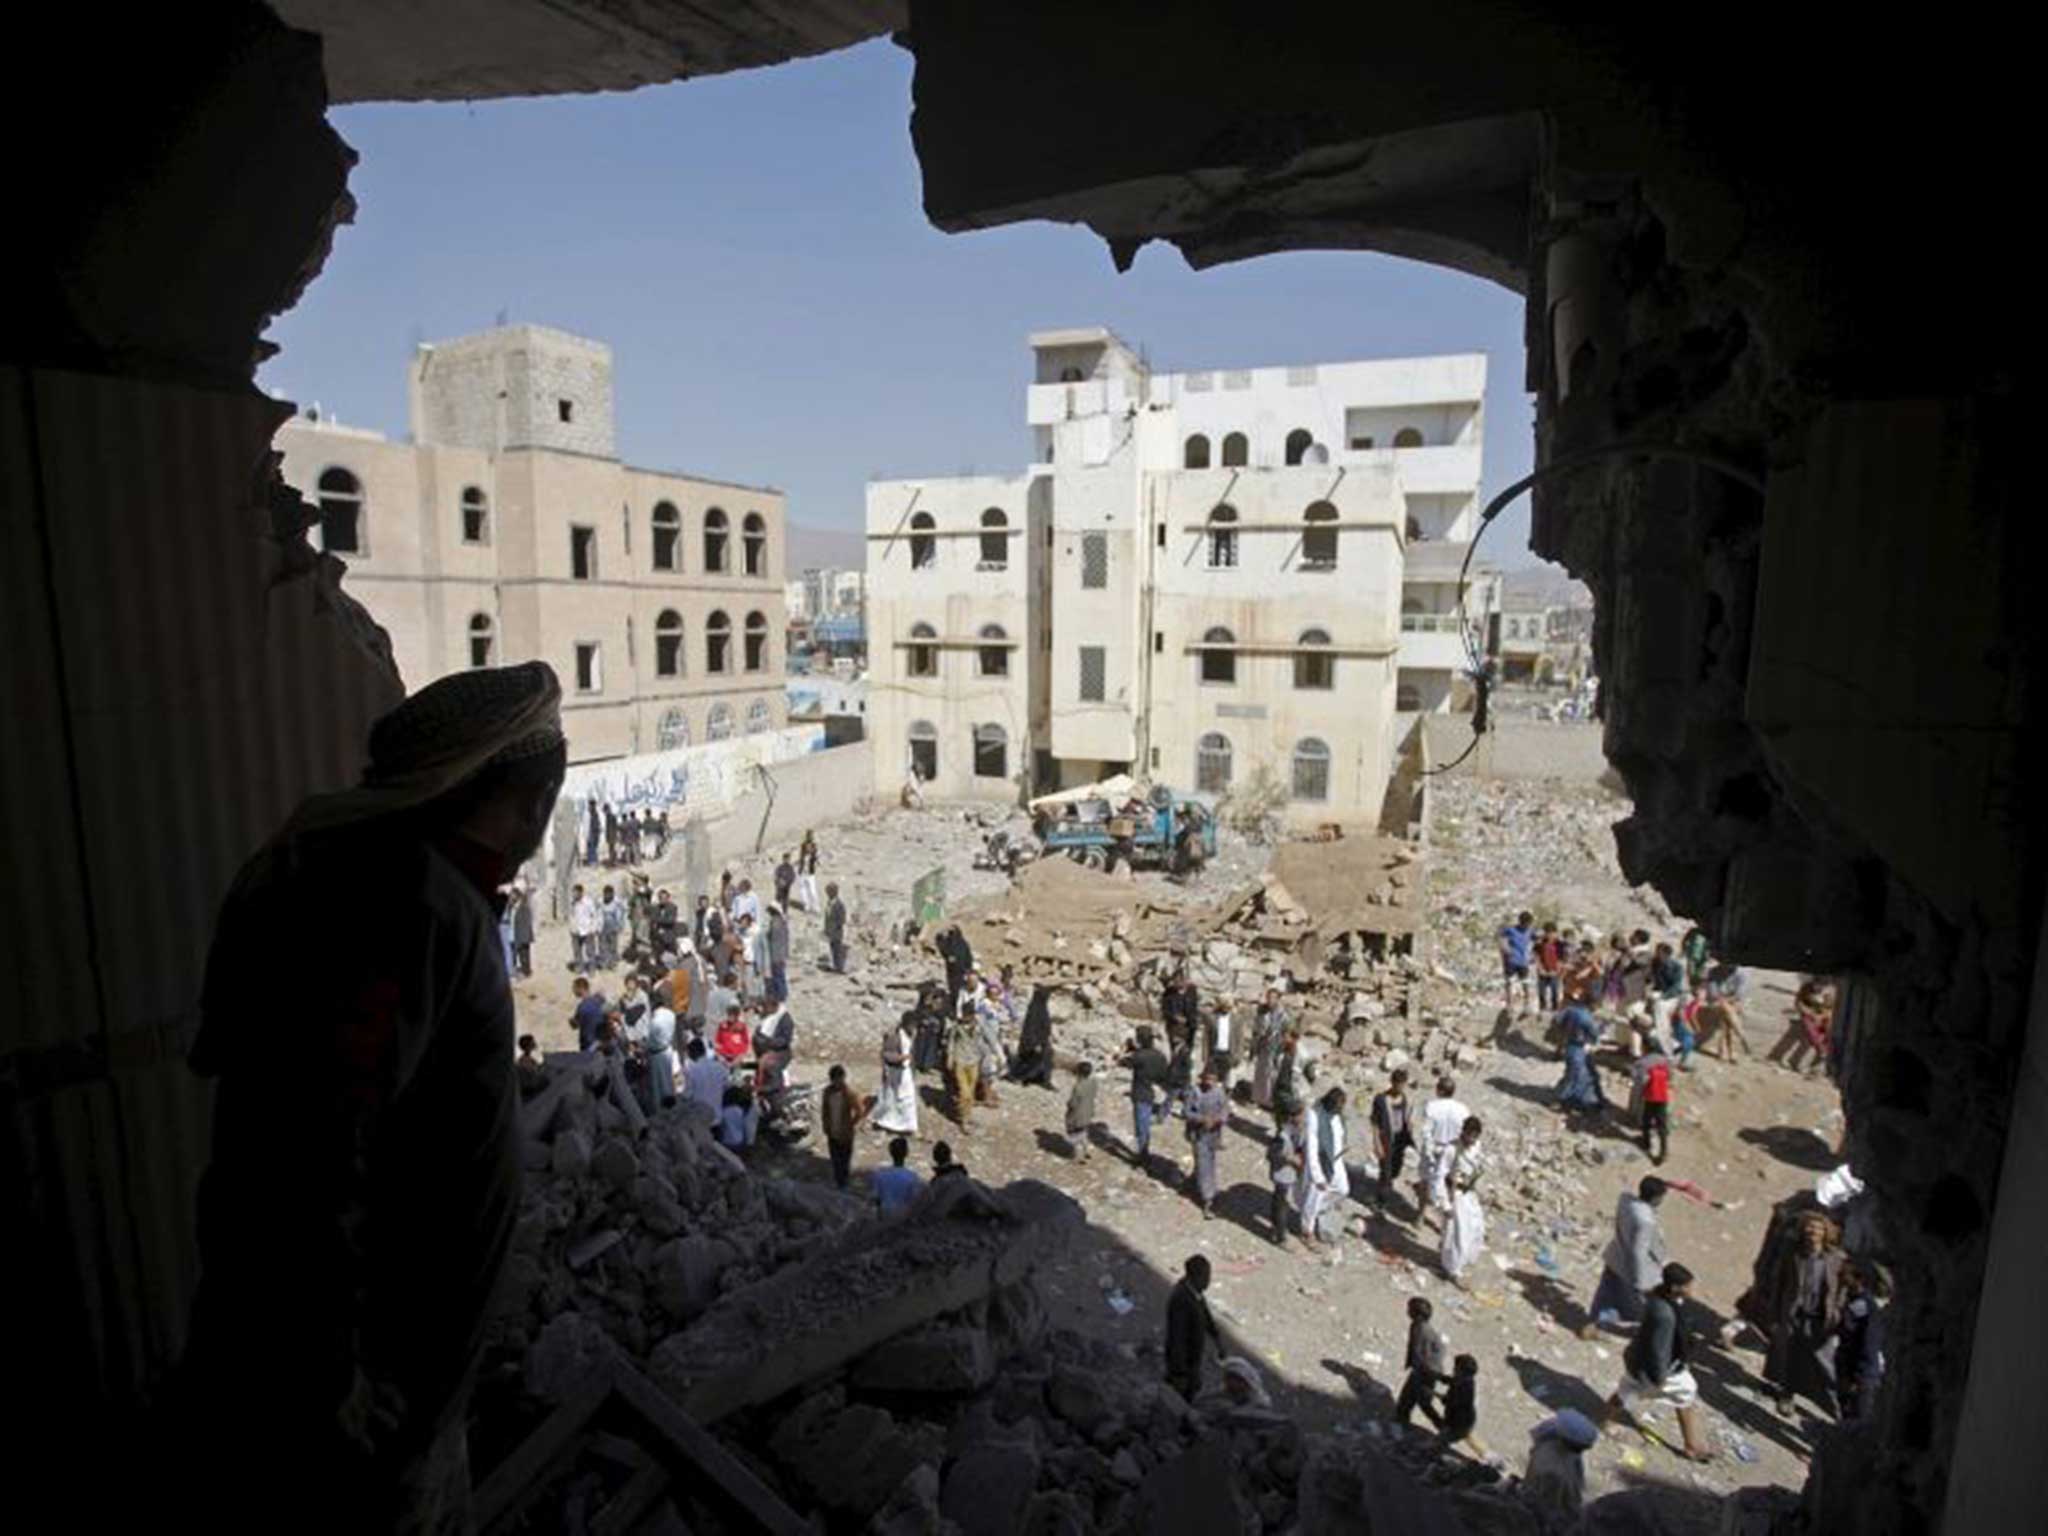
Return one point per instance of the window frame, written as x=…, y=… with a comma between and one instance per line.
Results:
x=1298, y=758
x=924, y=542
x=1225, y=659
x=356, y=500
x=995, y=536
x=482, y=627
x=921, y=661
x=980, y=739
x=672, y=526
x=1095, y=556
x=1322, y=660
x=1222, y=540
x=1319, y=512
x=754, y=546
x=1206, y=755
x=590, y=565
x=754, y=642
x=998, y=654
x=1189, y=453
x=595, y=649
x=717, y=542
x=669, y=644
x=1101, y=694
x=718, y=643
x=475, y=500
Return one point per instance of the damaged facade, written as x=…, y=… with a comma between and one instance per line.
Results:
x=1197, y=580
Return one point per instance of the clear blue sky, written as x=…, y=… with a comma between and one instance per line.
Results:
x=754, y=250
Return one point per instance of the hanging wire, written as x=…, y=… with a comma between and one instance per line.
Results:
x=1482, y=669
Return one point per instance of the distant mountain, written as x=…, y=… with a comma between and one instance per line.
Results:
x=839, y=549
x=1543, y=586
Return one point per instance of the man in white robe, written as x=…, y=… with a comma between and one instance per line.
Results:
x=1326, y=1184
x=1443, y=1121
x=1465, y=1230
x=896, y=1105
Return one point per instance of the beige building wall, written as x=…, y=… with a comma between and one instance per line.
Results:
x=439, y=592
x=1263, y=610
x=932, y=563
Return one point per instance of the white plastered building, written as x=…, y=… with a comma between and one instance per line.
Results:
x=1207, y=581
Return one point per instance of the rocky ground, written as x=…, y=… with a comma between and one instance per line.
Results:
x=1329, y=1336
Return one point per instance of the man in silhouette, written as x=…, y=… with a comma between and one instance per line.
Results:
x=366, y=1154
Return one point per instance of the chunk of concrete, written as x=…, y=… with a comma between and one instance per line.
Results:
x=1197, y=1494
x=937, y=1358
x=866, y=1286
x=571, y=1155
x=850, y=1460
x=569, y=1353
x=615, y=1163
x=989, y=1486
x=686, y=1271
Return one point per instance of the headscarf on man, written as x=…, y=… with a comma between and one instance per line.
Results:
x=435, y=741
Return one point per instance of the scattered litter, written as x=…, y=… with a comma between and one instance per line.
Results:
x=1633, y=1460
x=1120, y=1304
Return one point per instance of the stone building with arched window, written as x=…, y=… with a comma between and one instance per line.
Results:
x=508, y=529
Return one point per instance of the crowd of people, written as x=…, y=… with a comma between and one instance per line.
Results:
x=703, y=1011
x=701, y=1008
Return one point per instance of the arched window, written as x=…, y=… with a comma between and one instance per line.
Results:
x=1411, y=605
x=714, y=541
x=718, y=724
x=718, y=642
x=754, y=543
x=922, y=660
x=991, y=752
x=668, y=643
x=1237, y=451
x=1408, y=437
x=482, y=635
x=1311, y=769
x=1314, y=669
x=476, y=515
x=924, y=545
x=1212, y=764
x=341, y=513
x=759, y=717
x=1319, y=545
x=994, y=660
x=668, y=537
x=924, y=749
x=672, y=732
x=995, y=540
x=1407, y=697
x=1194, y=453
x=1219, y=660
x=1413, y=530
x=757, y=642
x=1070, y=375
x=1298, y=443
x=1222, y=540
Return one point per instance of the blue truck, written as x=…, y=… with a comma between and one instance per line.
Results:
x=1162, y=831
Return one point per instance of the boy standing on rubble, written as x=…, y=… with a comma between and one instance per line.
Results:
x=963, y=1060
x=1081, y=1112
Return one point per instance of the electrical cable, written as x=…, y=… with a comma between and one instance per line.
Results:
x=1481, y=669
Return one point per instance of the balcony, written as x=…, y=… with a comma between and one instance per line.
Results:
x=1425, y=471
x=1433, y=642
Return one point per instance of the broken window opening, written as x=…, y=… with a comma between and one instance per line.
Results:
x=668, y=644
x=668, y=537
x=340, y=500
x=582, y=552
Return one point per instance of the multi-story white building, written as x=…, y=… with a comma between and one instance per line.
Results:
x=507, y=530
x=1211, y=586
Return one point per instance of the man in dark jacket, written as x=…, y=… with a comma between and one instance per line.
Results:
x=1654, y=1366
x=1149, y=1071
x=1179, y=1013
x=1190, y=1329
x=365, y=1176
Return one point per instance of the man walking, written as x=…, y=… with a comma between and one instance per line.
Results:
x=1633, y=1261
x=1148, y=1067
x=1190, y=1329
x=835, y=927
x=1428, y=1361
x=1208, y=1112
x=1654, y=1365
x=963, y=1060
x=1443, y=1121
x=839, y=1112
x=345, y=1286
x=611, y=921
x=582, y=931
x=778, y=953
x=1517, y=940
x=1549, y=969
x=1392, y=1138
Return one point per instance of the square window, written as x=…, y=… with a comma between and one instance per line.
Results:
x=1094, y=666
x=589, y=667
x=582, y=553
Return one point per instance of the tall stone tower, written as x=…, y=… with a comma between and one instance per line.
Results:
x=518, y=386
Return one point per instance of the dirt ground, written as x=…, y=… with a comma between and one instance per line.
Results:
x=1329, y=1335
